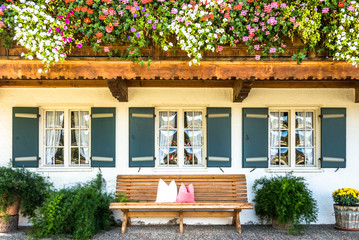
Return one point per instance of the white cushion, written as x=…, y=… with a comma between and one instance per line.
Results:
x=166, y=193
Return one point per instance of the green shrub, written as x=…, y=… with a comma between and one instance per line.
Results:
x=29, y=187
x=286, y=199
x=81, y=211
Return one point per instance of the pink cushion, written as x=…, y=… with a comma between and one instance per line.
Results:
x=185, y=194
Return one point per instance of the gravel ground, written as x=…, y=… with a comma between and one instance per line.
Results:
x=208, y=232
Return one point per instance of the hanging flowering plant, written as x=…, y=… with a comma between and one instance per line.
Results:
x=41, y=34
x=48, y=29
x=344, y=40
x=198, y=27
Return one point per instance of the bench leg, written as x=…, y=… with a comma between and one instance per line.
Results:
x=234, y=218
x=129, y=221
x=124, y=221
x=238, y=222
x=181, y=221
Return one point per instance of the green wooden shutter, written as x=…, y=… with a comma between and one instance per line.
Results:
x=255, y=137
x=219, y=151
x=142, y=137
x=25, y=137
x=103, y=137
x=333, y=137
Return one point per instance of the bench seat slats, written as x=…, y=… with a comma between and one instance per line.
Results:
x=181, y=206
x=215, y=195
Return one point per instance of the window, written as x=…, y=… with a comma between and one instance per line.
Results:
x=66, y=141
x=292, y=138
x=180, y=140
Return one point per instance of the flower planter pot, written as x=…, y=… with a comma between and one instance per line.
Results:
x=280, y=226
x=10, y=223
x=346, y=217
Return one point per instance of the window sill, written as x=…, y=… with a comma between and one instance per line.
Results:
x=294, y=170
x=182, y=169
x=63, y=169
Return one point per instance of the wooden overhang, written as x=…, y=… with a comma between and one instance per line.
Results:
x=242, y=76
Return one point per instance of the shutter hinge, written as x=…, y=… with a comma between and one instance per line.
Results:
x=221, y=169
x=320, y=159
x=39, y=115
x=39, y=158
x=320, y=115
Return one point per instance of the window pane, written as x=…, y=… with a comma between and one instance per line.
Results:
x=284, y=120
x=188, y=156
x=168, y=138
x=309, y=158
x=309, y=138
x=74, y=155
x=75, y=119
x=197, y=138
x=172, y=156
x=54, y=137
x=274, y=156
x=188, y=119
x=299, y=156
x=168, y=120
x=50, y=119
x=163, y=156
x=59, y=119
x=84, y=138
x=274, y=138
x=284, y=138
x=197, y=120
x=84, y=156
x=299, y=138
x=299, y=120
x=163, y=120
x=84, y=119
x=188, y=138
x=172, y=119
x=309, y=120
x=54, y=156
x=75, y=137
x=197, y=156
x=284, y=156
x=274, y=120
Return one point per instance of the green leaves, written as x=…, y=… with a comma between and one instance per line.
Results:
x=81, y=211
x=286, y=199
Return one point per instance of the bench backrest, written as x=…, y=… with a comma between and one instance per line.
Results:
x=207, y=188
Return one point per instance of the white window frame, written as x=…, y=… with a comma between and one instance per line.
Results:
x=67, y=136
x=180, y=137
x=291, y=138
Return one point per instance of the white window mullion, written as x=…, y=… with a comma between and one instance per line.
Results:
x=180, y=134
x=67, y=140
x=292, y=142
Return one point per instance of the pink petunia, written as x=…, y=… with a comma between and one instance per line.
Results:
x=258, y=57
x=106, y=49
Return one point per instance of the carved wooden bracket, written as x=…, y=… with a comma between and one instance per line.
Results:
x=119, y=89
x=241, y=90
x=356, y=100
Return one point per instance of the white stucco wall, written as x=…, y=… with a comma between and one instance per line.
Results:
x=322, y=183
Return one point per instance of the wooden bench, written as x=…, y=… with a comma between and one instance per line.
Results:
x=215, y=196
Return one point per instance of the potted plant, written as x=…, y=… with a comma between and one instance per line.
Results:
x=19, y=189
x=286, y=201
x=346, y=209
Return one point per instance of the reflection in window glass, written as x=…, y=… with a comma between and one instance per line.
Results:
x=193, y=138
x=54, y=134
x=168, y=138
x=304, y=138
x=279, y=138
x=80, y=138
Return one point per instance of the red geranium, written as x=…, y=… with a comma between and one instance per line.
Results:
x=87, y=20
x=102, y=17
x=89, y=2
x=341, y=3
